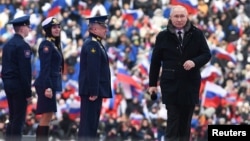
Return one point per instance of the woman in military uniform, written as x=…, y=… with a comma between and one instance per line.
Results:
x=49, y=81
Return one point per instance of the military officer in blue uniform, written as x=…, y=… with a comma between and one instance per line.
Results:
x=16, y=75
x=94, y=78
x=49, y=80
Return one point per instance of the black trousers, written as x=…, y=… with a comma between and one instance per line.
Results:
x=179, y=122
x=89, y=119
x=17, y=112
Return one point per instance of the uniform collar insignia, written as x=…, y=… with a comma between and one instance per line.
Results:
x=98, y=38
x=94, y=39
x=50, y=39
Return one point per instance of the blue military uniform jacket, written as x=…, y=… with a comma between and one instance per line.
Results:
x=94, y=76
x=51, y=66
x=16, y=66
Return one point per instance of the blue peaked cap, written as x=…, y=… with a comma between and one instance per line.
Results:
x=98, y=19
x=24, y=20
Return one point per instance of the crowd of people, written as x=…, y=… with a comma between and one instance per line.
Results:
x=133, y=27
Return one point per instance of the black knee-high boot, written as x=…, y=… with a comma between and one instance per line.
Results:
x=42, y=133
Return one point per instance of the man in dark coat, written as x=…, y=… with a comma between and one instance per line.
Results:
x=16, y=75
x=94, y=78
x=180, y=51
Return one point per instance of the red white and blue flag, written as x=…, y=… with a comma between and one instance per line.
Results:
x=220, y=53
x=56, y=7
x=191, y=5
x=131, y=15
x=74, y=109
x=213, y=94
x=3, y=100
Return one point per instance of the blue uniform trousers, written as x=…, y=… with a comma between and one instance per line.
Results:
x=17, y=112
x=89, y=118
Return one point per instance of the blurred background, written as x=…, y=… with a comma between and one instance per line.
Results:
x=133, y=25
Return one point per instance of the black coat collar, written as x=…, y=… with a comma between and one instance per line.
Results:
x=186, y=28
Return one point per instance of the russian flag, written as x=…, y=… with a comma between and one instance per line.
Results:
x=191, y=5
x=109, y=103
x=143, y=69
x=212, y=95
x=126, y=89
x=56, y=7
x=129, y=85
x=231, y=99
x=123, y=76
x=105, y=103
x=210, y=72
x=144, y=66
x=131, y=15
x=74, y=109
x=220, y=53
x=3, y=100
x=113, y=88
x=72, y=83
x=137, y=93
x=115, y=54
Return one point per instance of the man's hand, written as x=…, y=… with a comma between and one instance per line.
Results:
x=189, y=64
x=152, y=90
x=93, y=98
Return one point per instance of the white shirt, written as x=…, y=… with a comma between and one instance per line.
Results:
x=182, y=32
